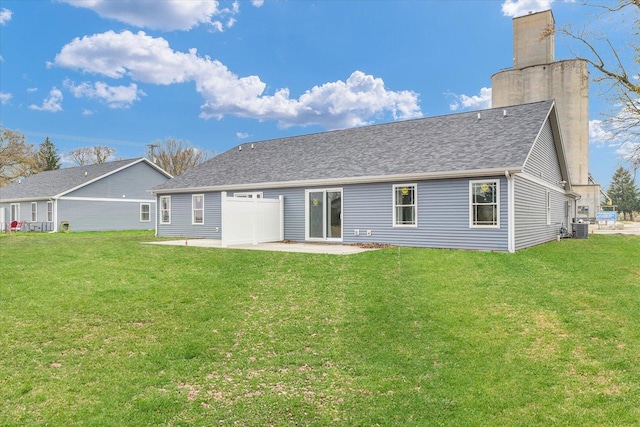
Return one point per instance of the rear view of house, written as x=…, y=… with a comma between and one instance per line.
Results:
x=490, y=180
x=106, y=196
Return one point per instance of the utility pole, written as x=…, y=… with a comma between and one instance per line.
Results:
x=151, y=152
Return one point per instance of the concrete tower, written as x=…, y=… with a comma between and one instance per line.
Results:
x=537, y=76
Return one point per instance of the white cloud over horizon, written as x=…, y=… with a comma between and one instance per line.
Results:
x=151, y=60
x=52, y=104
x=167, y=15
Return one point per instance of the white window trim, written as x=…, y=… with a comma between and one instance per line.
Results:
x=306, y=213
x=16, y=210
x=193, y=209
x=415, y=205
x=488, y=181
x=49, y=211
x=148, y=212
x=34, y=204
x=161, y=210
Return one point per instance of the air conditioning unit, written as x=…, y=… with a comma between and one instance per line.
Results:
x=580, y=230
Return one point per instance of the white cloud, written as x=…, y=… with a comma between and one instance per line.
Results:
x=5, y=16
x=242, y=135
x=257, y=3
x=151, y=60
x=516, y=8
x=597, y=133
x=475, y=102
x=87, y=112
x=5, y=97
x=620, y=132
x=166, y=15
x=52, y=104
x=114, y=96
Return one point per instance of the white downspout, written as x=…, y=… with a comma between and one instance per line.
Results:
x=55, y=215
x=511, y=209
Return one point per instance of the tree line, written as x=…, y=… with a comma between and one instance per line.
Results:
x=20, y=159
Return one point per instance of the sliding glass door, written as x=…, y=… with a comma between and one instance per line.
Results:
x=324, y=214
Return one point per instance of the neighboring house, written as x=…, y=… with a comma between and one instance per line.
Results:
x=487, y=180
x=105, y=196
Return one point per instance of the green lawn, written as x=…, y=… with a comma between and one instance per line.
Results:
x=97, y=329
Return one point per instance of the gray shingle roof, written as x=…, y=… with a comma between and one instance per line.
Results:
x=52, y=183
x=456, y=142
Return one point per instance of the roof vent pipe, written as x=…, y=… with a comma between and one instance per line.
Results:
x=504, y=113
x=478, y=116
x=239, y=147
x=252, y=146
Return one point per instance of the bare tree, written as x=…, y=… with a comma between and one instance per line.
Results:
x=610, y=62
x=101, y=153
x=81, y=156
x=91, y=155
x=17, y=157
x=176, y=156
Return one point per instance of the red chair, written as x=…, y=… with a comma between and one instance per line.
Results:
x=16, y=225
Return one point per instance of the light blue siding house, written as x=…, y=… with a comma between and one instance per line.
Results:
x=486, y=180
x=106, y=196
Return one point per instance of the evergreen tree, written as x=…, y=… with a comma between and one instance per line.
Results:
x=47, y=157
x=624, y=193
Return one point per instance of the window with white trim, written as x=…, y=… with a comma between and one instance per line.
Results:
x=197, y=208
x=405, y=205
x=34, y=211
x=484, y=204
x=165, y=209
x=548, y=207
x=145, y=212
x=49, y=211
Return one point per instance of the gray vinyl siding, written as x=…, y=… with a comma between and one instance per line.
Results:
x=442, y=217
x=531, y=216
x=91, y=215
x=41, y=223
x=132, y=183
x=181, y=217
x=294, y=208
x=543, y=159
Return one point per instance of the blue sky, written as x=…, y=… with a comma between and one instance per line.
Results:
x=128, y=73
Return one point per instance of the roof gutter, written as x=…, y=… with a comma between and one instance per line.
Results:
x=345, y=181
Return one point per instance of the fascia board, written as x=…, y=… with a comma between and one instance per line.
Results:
x=346, y=181
x=27, y=199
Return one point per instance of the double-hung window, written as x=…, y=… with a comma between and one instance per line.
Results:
x=484, y=204
x=405, y=205
x=34, y=211
x=145, y=212
x=165, y=209
x=49, y=211
x=197, y=206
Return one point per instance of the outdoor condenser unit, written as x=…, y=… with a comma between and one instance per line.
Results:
x=580, y=230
